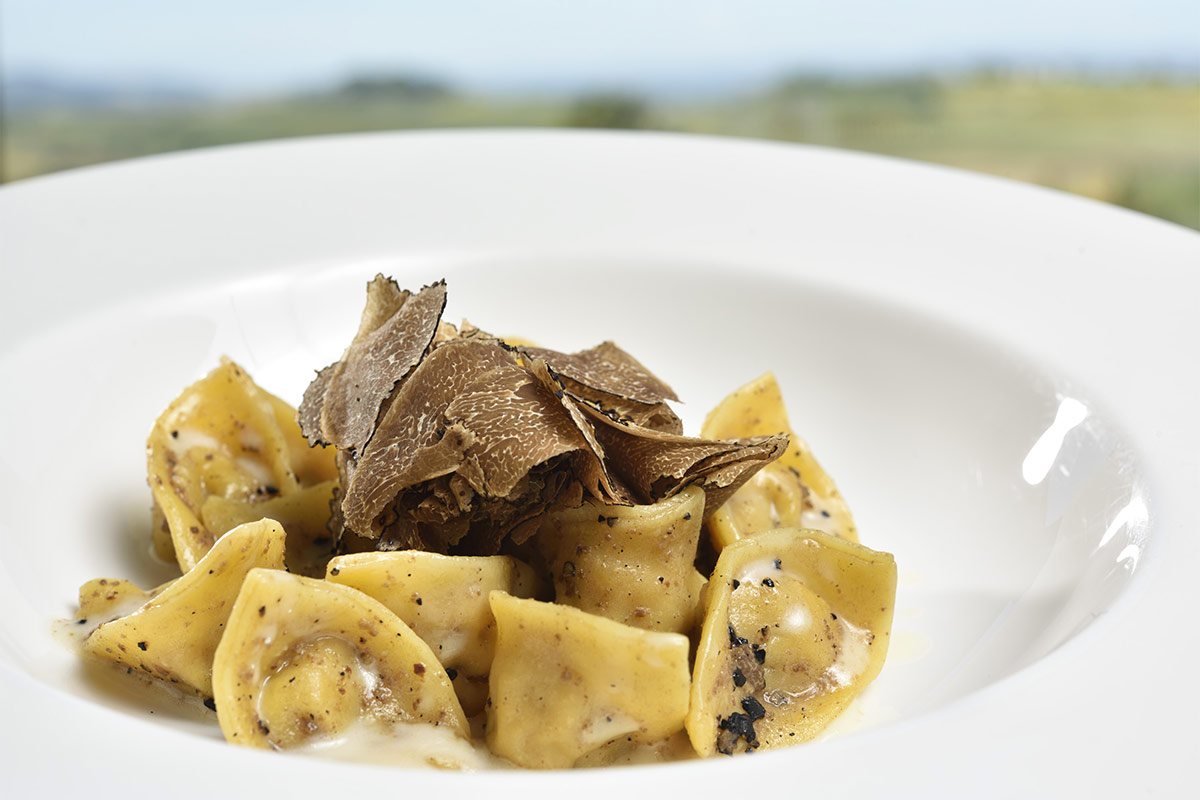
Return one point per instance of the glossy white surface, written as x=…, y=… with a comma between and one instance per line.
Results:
x=1002, y=379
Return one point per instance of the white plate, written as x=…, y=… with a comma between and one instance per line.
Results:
x=1002, y=379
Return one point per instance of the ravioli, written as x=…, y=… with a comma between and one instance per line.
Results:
x=223, y=437
x=305, y=659
x=632, y=564
x=565, y=683
x=793, y=491
x=444, y=599
x=797, y=624
x=174, y=635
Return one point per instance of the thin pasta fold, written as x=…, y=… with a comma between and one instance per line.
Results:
x=174, y=635
x=793, y=491
x=444, y=599
x=304, y=515
x=797, y=624
x=305, y=659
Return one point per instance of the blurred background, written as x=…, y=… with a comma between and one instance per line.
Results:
x=1100, y=98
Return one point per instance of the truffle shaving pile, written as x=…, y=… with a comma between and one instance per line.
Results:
x=451, y=440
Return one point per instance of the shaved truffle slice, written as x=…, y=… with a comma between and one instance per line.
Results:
x=510, y=470
x=609, y=369
x=413, y=443
x=463, y=440
x=344, y=403
x=591, y=472
x=311, y=405
x=384, y=298
x=655, y=465
x=516, y=425
x=611, y=379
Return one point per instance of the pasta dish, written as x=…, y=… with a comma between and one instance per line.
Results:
x=496, y=545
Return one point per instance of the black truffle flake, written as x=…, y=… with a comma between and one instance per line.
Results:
x=735, y=640
x=754, y=708
x=737, y=726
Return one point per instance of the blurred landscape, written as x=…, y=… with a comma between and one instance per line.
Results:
x=1132, y=139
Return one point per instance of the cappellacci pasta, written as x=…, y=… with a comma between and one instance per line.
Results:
x=303, y=658
x=496, y=544
x=225, y=444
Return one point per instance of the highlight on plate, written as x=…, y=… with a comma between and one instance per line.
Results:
x=481, y=552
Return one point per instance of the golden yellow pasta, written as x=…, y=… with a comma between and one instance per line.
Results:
x=104, y=599
x=380, y=587
x=565, y=683
x=793, y=491
x=798, y=623
x=304, y=514
x=627, y=750
x=303, y=658
x=444, y=599
x=632, y=564
x=311, y=465
x=224, y=437
x=173, y=636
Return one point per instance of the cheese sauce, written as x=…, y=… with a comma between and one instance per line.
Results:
x=404, y=745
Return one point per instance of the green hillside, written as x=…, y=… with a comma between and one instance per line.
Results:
x=1133, y=143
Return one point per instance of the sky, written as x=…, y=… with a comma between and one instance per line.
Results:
x=271, y=45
